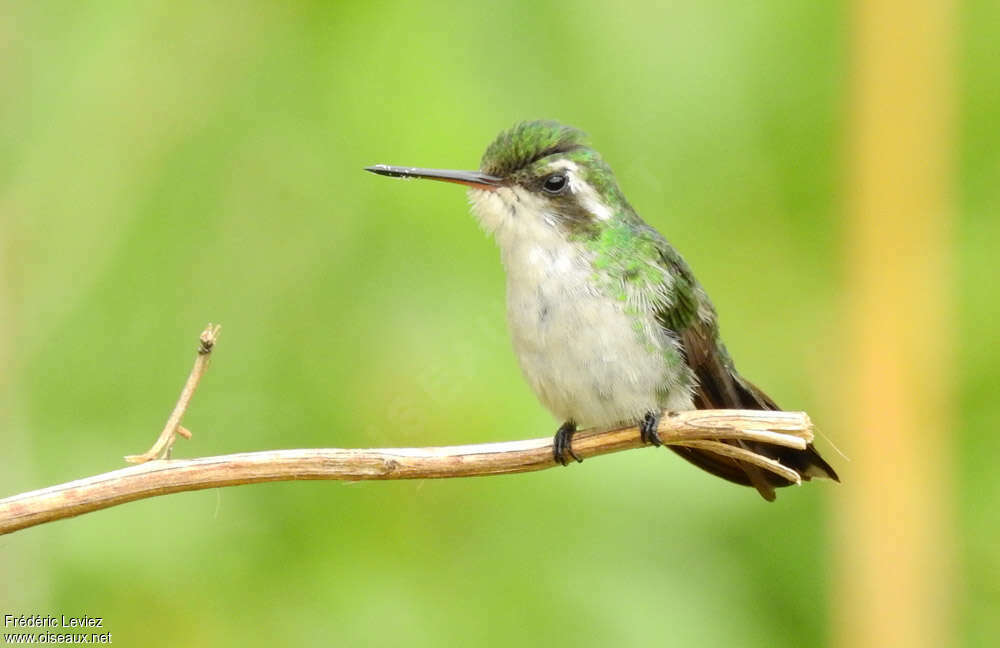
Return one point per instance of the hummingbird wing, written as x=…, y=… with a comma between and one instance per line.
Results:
x=691, y=317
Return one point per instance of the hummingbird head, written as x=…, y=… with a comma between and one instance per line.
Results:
x=536, y=174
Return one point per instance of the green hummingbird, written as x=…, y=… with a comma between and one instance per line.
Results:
x=609, y=324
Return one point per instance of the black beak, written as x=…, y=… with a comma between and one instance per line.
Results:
x=474, y=179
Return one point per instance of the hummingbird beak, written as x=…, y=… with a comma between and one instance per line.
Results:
x=474, y=179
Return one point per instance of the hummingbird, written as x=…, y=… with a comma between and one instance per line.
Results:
x=608, y=322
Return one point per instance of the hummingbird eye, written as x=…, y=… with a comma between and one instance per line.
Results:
x=555, y=183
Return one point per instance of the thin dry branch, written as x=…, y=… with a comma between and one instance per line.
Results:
x=161, y=448
x=706, y=429
x=161, y=477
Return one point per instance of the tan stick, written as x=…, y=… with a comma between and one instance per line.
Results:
x=899, y=564
x=173, y=427
x=705, y=429
x=161, y=477
x=726, y=450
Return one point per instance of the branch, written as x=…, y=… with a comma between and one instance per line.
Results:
x=161, y=448
x=696, y=428
x=706, y=429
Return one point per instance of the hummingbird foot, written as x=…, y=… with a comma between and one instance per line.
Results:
x=648, y=428
x=562, y=444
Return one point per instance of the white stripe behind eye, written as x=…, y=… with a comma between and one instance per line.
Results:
x=588, y=197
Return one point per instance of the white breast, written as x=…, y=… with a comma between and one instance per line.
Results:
x=578, y=348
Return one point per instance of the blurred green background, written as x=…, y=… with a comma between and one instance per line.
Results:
x=165, y=164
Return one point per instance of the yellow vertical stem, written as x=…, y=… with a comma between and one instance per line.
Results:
x=894, y=582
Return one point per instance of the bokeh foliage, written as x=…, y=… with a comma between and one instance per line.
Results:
x=163, y=164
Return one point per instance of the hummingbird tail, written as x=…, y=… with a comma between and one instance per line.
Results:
x=745, y=395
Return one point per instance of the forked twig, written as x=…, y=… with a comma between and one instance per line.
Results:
x=704, y=429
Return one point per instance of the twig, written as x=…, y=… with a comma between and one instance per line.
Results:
x=743, y=454
x=705, y=429
x=161, y=477
x=173, y=427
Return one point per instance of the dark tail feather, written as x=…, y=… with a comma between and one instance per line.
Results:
x=744, y=395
